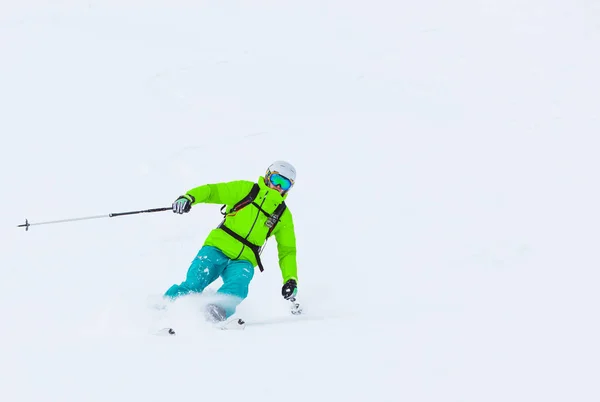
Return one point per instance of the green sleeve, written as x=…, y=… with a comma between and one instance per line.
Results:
x=286, y=247
x=221, y=193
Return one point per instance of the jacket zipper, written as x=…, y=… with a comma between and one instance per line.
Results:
x=252, y=227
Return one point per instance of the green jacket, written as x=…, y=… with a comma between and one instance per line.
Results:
x=250, y=221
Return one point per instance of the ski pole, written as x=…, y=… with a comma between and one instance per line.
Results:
x=111, y=215
x=295, y=308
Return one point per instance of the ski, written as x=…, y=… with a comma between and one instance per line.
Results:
x=216, y=316
x=232, y=325
x=165, y=332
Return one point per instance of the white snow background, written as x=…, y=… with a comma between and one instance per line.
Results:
x=446, y=204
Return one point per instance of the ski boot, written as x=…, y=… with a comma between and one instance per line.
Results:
x=217, y=316
x=214, y=313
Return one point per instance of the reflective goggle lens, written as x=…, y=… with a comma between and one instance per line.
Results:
x=279, y=180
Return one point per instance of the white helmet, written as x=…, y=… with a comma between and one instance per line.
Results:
x=283, y=168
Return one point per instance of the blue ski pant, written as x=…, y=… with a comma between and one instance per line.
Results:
x=209, y=264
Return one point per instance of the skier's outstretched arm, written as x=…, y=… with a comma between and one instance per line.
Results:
x=220, y=193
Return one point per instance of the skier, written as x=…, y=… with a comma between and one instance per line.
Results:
x=254, y=212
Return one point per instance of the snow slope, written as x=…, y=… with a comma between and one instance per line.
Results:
x=446, y=204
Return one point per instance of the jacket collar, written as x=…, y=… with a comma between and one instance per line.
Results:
x=272, y=192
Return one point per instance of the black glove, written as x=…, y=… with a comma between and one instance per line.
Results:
x=289, y=289
x=183, y=204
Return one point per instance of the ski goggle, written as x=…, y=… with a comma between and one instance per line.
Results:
x=278, y=180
